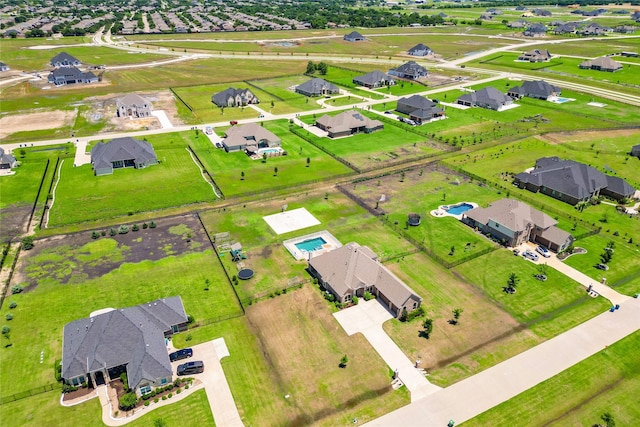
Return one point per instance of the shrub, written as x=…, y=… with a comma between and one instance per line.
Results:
x=178, y=391
x=156, y=400
x=16, y=289
x=9, y=316
x=112, y=232
x=152, y=224
x=188, y=338
x=125, y=380
x=95, y=235
x=68, y=388
x=354, y=300
x=103, y=233
x=124, y=229
x=27, y=243
x=128, y=401
x=135, y=227
x=278, y=292
x=186, y=387
x=6, y=330
x=329, y=296
x=368, y=296
x=164, y=397
x=147, y=403
x=170, y=395
x=13, y=304
x=190, y=318
x=57, y=369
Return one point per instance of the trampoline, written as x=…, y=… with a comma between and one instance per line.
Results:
x=245, y=274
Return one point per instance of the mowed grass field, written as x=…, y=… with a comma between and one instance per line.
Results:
x=176, y=180
x=604, y=382
x=227, y=168
x=44, y=309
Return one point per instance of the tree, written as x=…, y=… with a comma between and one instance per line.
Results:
x=308, y=161
x=311, y=67
x=273, y=104
x=452, y=251
x=275, y=171
x=608, y=419
x=427, y=327
x=542, y=268
x=23, y=153
x=605, y=257
x=512, y=282
x=264, y=157
x=343, y=361
x=128, y=401
x=322, y=68
x=27, y=243
x=402, y=177
x=242, y=176
x=456, y=316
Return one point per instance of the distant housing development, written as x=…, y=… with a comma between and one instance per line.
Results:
x=317, y=87
x=572, y=182
x=514, y=222
x=535, y=55
x=98, y=349
x=63, y=59
x=352, y=270
x=419, y=108
x=70, y=75
x=538, y=89
x=133, y=105
x=122, y=153
x=489, y=97
x=250, y=138
x=374, y=80
x=348, y=123
x=409, y=70
x=604, y=63
x=234, y=98
x=420, y=50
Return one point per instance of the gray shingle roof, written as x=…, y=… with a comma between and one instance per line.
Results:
x=221, y=98
x=487, y=96
x=416, y=102
x=410, y=68
x=133, y=336
x=512, y=214
x=316, y=86
x=6, y=158
x=419, y=48
x=353, y=35
x=604, y=63
x=372, y=78
x=120, y=149
x=64, y=58
x=133, y=99
x=619, y=186
x=536, y=89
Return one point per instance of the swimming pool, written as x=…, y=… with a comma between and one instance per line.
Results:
x=269, y=150
x=560, y=99
x=458, y=209
x=311, y=245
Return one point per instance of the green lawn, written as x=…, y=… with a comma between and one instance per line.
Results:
x=227, y=168
x=604, y=382
x=176, y=180
x=402, y=89
x=548, y=308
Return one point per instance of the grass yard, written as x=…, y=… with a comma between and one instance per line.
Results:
x=370, y=151
x=402, y=89
x=286, y=99
x=547, y=308
x=485, y=335
x=227, y=168
x=594, y=48
x=176, y=180
x=605, y=382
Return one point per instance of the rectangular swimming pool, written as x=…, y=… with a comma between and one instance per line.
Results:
x=311, y=244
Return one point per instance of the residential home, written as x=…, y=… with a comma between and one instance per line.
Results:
x=568, y=28
x=535, y=55
x=419, y=109
x=7, y=161
x=98, y=349
x=231, y=97
x=317, y=87
x=489, y=97
x=420, y=50
x=120, y=153
x=535, y=30
x=70, y=75
x=352, y=270
x=354, y=36
x=374, y=80
x=635, y=151
x=514, y=222
x=594, y=29
x=538, y=89
x=541, y=12
x=63, y=59
x=249, y=138
x=133, y=105
x=604, y=63
x=4, y=67
x=636, y=16
x=348, y=123
x=409, y=70
x=571, y=182
x=517, y=24
x=625, y=29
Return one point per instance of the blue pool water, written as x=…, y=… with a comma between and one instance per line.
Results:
x=561, y=100
x=311, y=244
x=269, y=150
x=458, y=209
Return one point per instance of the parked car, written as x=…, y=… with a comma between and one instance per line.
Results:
x=261, y=116
x=541, y=277
x=604, y=267
x=516, y=252
x=388, y=112
x=219, y=145
x=208, y=130
x=184, y=353
x=233, y=122
x=190, y=368
x=543, y=251
x=530, y=255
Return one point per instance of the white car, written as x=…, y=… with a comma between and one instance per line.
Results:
x=543, y=251
x=530, y=255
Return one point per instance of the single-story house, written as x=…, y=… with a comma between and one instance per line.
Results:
x=420, y=50
x=97, y=349
x=514, y=222
x=635, y=151
x=535, y=30
x=419, y=109
x=4, y=67
x=352, y=270
x=133, y=105
x=63, y=59
x=542, y=12
x=7, y=161
x=604, y=63
x=354, y=36
x=409, y=70
x=232, y=97
x=317, y=87
x=249, y=137
x=571, y=182
x=517, y=24
x=535, y=55
x=538, y=89
x=374, y=79
x=489, y=97
x=348, y=123
x=70, y=75
x=119, y=153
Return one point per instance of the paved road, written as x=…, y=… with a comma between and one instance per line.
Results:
x=481, y=392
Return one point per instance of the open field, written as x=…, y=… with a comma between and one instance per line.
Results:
x=67, y=278
x=605, y=382
x=485, y=335
x=594, y=48
x=174, y=181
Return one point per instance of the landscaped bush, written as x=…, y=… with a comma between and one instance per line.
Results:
x=124, y=229
x=13, y=304
x=135, y=227
x=16, y=289
x=178, y=391
x=6, y=330
x=95, y=235
x=147, y=403
x=156, y=400
x=112, y=232
x=409, y=316
x=368, y=296
x=125, y=380
x=67, y=388
x=103, y=233
x=164, y=397
x=152, y=224
x=170, y=395
x=57, y=369
x=27, y=243
x=9, y=316
x=128, y=401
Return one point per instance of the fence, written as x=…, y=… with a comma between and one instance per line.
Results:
x=216, y=319
x=272, y=294
x=7, y=290
x=183, y=101
x=297, y=132
x=46, y=200
x=35, y=202
x=29, y=393
x=213, y=182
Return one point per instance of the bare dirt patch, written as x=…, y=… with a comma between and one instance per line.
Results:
x=36, y=121
x=13, y=219
x=563, y=137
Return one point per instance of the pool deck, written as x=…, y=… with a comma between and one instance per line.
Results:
x=442, y=210
x=331, y=244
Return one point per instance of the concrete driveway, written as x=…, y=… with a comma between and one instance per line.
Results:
x=367, y=318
